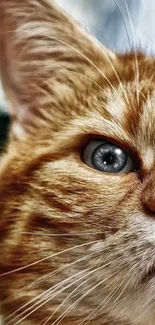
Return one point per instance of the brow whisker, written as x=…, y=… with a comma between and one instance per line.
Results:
x=137, y=81
x=76, y=51
x=115, y=71
x=87, y=78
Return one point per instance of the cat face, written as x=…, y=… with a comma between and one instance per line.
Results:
x=77, y=228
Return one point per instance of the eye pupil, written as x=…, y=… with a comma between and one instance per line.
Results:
x=109, y=158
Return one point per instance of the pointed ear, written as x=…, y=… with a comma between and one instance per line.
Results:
x=39, y=48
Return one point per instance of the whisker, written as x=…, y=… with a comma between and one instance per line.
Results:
x=88, y=60
x=60, y=318
x=71, y=294
x=134, y=43
x=137, y=84
x=75, y=290
x=115, y=71
x=46, y=277
x=50, y=290
x=43, y=301
x=142, y=94
x=83, y=76
x=148, y=301
x=70, y=47
x=87, y=78
x=78, y=52
x=124, y=23
x=47, y=257
x=97, y=309
x=61, y=234
x=126, y=282
x=126, y=285
x=107, y=299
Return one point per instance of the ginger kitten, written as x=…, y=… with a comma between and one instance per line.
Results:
x=77, y=180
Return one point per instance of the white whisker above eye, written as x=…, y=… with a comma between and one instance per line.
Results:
x=137, y=80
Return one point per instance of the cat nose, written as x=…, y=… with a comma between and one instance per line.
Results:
x=151, y=205
x=148, y=196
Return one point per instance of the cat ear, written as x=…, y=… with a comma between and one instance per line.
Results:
x=43, y=53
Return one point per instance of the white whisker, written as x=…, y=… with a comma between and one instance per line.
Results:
x=70, y=295
x=53, y=289
x=115, y=71
x=47, y=257
x=60, y=318
x=98, y=308
x=44, y=300
x=45, y=277
x=135, y=54
x=70, y=47
x=111, y=295
x=61, y=234
x=85, y=57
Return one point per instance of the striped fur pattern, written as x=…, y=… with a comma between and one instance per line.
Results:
x=77, y=246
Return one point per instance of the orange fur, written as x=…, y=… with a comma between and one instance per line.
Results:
x=75, y=243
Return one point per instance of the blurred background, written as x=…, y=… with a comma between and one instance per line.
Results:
x=119, y=24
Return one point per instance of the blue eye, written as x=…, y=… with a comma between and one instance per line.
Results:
x=107, y=157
